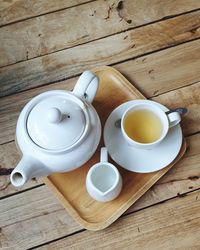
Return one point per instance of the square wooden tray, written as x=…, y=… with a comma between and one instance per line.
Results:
x=70, y=188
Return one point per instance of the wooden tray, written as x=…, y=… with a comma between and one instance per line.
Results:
x=70, y=187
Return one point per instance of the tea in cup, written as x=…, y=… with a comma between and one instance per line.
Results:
x=145, y=125
x=103, y=181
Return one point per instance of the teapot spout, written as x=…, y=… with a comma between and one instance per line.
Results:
x=27, y=168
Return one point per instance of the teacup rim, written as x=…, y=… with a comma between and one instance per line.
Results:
x=150, y=103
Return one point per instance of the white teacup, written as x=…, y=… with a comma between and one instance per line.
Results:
x=156, y=115
x=103, y=181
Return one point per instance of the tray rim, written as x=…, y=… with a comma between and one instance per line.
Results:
x=125, y=81
x=103, y=224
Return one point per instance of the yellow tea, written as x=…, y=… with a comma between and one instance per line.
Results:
x=143, y=126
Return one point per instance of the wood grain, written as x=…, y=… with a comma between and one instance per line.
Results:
x=48, y=220
x=12, y=11
x=9, y=157
x=114, y=89
x=188, y=96
x=165, y=70
x=34, y=216
x=113, y=49
x=31, y=218
x=177, y=180
x=172, y=225
x=53, y=32
x=16, y=10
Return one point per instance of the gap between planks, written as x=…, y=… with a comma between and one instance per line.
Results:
x=38, y=197
x=85, y=42
x=49, y=11
x=60, y=238
x=162, y=100
x=21, y=191
x=117, y=64
x=187, y=96
x=185, y=89
x=42, y=184
x=46, y=13
x=112, y=64
x=54, y=68
x=122, y=216
x=164, y=19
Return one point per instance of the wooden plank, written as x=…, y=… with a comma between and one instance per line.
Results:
x=106, y=51
x=9, y=157
x=48, y=220
x=46, y=34
x=34, y=217
x=70, y=188
x=16, y=10
x=188, y=96
x=178, y=180
x=163, y=71
x=172, y=225
x=12, y=11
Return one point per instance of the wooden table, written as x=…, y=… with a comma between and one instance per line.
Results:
x=45, y=45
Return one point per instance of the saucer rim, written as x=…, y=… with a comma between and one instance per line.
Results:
x=128, y=104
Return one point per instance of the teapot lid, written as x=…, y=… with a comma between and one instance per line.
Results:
x=57, y=121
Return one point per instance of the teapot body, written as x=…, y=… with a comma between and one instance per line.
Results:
x=57, y=131
x=60, y=160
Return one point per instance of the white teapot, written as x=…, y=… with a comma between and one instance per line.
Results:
x=57, y=131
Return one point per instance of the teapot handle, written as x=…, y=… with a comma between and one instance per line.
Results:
x=86, y=86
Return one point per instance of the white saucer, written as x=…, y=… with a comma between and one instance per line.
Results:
x=140, y=160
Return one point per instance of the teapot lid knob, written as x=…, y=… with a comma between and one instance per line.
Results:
x=58, y=121
x=54, y=115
